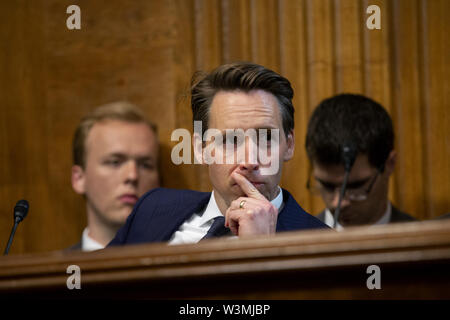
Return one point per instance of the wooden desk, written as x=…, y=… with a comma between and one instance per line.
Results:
x=414, y=259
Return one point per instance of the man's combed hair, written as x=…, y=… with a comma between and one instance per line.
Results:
x=121, y=110
x=245, y=77
x=354, y=118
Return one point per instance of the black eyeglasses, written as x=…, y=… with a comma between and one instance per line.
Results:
x=353, y=194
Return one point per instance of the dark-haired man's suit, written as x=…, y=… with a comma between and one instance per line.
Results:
x=160, y=213
x=396, y=216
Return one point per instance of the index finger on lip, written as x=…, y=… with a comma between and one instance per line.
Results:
x=248, y=188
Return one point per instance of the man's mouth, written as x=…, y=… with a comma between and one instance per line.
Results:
x=128, y=199
x=257, y=183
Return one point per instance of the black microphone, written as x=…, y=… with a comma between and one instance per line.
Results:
x=349, y=153
x=20, y=212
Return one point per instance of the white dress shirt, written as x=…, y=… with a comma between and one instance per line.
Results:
x=89, y=244
x=329, y=218
x=196, y=227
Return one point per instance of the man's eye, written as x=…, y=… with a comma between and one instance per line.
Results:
x=147, y=165
x=231, y=140
x=218, y=141
x=113, y=162
x=266, y=141
x=328, y=187
x=265, y=138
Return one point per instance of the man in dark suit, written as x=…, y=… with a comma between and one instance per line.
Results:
x=355, y=119
x=115, y=155
x=238, y=106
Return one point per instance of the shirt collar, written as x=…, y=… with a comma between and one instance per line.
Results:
x=278, y=201
x=89, y=244
x=329, y=218
x=212, y=210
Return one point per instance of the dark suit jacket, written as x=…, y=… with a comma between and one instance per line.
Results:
x=399, y=216
x=160, y=213
x=396, y=216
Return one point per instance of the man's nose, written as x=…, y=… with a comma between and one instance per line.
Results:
x=131, y=171
x=248, y=167
x=250, y=160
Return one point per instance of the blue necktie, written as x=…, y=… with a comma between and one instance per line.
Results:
x=217, y=229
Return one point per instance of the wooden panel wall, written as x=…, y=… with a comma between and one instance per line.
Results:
x=146, y=51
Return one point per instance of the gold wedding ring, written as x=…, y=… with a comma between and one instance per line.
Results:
x=241, y=204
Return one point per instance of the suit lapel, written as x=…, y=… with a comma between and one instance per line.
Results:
x=293, y=217
x=167, y=220
x=289, y=217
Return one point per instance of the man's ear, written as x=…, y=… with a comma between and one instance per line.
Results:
x=197, y=144
x=290, y=143
x=390, y=162
x=78, y=179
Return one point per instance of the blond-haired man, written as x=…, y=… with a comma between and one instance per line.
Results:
x=115, y=156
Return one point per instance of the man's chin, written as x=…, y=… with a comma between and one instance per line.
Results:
x=120, y=218
x=350, y=219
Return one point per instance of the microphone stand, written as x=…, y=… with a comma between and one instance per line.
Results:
x=349, y=153
x=11, y=236
x=341, y=196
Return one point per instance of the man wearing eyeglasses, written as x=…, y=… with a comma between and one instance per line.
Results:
x=360, y=120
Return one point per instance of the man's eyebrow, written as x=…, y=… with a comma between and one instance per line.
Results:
x=232, y=131
x=124, y=156
x=325, y=182
x=145, y=158
x=116, y=155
